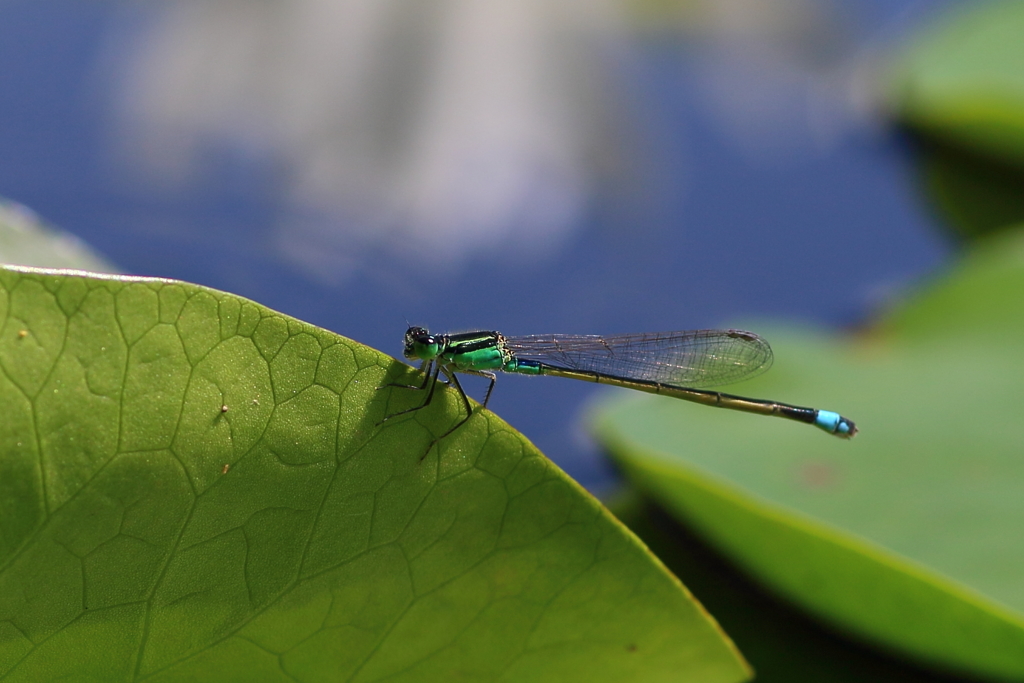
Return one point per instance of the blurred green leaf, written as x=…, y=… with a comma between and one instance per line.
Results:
x=980, y=296
x=781, y=643
x=959, y=86
x=194, y=487
x=961, y=79
x=910, y=535
x=26, y=241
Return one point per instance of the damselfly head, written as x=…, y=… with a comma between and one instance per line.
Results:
x=419, y=343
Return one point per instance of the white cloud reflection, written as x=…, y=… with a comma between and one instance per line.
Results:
x=434, y=130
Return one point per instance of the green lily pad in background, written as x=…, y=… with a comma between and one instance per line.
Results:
x=911, y=535
x=960, y=79
x=959, y=87
x=781, y=642
x=26, y=241
x=979, y=299
x=194, y=487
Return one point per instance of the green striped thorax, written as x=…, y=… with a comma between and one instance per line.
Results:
x=470, y=351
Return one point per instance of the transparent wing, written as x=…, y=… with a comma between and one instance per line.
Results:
x=692, y=358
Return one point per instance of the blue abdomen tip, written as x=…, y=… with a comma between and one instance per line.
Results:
x=834, y=423
x=829, y=421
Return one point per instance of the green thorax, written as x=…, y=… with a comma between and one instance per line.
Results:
x=462, y=352
x=475, y=351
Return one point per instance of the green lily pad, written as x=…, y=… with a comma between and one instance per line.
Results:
x=958, y=87
x=912, y=534
x=960, y=79
x=979, y=299
x=194, y=487
x=26, y=241
x=782, y=643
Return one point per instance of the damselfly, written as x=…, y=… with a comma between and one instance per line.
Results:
x=677, y=364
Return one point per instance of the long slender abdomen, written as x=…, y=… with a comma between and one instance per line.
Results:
x=833, y=423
